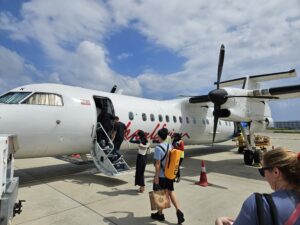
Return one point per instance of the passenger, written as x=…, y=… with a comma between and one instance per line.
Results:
x=118, y=137
x=159, y=178
x=281, y=169
x=141, y=159
x=105, y=119
x=178, y=144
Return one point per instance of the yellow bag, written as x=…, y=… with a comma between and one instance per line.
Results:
x=172, y=163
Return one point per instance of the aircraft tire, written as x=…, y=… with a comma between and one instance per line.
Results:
x=257, y=156
x=241, y=150
x=248, y=157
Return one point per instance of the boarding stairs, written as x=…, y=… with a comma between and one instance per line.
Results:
x=103, y=157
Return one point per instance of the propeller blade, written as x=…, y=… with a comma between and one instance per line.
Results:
x=216, y=118
x=220, y=66
x=218, y=95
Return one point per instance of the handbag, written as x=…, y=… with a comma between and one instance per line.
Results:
x=159, y=199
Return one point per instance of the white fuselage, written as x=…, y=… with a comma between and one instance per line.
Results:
x=51, y=130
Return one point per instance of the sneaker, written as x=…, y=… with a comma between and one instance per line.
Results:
x=157, y=216
x=180, y=217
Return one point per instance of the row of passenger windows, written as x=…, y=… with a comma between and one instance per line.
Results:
x=175, y=119
x=35, y=99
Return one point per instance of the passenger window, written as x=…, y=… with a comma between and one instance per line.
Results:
x=203, y=121
x=130, y=115
x=187, y=120
x=220, y=122
x=174, y=119
x=207, y=121
x=167, y=119
x=160, y=118
x=194, y=121
x=144, y=116
x=180, y=119
x=44, y=99
x=152, y=118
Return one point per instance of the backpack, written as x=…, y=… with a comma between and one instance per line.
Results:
x=273, y=211
x=172, y=162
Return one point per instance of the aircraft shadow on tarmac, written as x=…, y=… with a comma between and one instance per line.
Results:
x=85, y=173
x=191, y=165
x=79, y=174
x=131, y=219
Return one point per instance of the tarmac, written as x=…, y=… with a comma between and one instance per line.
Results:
x=59, y=192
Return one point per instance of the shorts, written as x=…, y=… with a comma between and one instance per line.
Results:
x=165, y=183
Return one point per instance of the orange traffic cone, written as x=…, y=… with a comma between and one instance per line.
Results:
x=203, y=179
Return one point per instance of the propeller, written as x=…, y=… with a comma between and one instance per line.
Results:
x=218, y=96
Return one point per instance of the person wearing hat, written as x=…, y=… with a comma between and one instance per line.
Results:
x=160, y=180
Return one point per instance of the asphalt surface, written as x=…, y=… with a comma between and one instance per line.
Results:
x=59, y=192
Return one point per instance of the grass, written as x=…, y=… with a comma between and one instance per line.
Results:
x=284, y=130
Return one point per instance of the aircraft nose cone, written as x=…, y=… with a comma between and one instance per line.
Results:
x=218, y=96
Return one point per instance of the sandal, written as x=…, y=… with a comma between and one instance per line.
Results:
x=141, y=190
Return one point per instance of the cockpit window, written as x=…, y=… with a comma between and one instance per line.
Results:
x=13, y=97
x=44, y=99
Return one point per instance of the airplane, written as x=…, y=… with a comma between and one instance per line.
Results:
x=56, y=119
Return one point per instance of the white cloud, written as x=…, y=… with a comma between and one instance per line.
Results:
x=259, y=38
x=124, y=55
x=59, y=25
x=88, y=67
x=13, y=69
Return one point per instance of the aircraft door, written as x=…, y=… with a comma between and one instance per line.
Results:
x=105, y=116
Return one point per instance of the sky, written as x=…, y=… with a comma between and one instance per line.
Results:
x=152, y=48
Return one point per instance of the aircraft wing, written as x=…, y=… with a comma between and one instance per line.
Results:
x=259, y=78
x=284, y=92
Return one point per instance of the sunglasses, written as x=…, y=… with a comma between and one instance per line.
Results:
x=262, y=170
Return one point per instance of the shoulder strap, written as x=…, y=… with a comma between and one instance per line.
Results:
x=274, y=214
x=259, y=208
x=294, y=216
x=166, y=151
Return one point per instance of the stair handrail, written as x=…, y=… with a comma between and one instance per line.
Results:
x=111, y=144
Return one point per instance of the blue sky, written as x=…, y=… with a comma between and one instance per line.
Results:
x=155, y=49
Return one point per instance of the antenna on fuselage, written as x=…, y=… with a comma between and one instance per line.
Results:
x=114, y=88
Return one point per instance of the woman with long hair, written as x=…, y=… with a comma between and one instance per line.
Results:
x=141, y=159
x=281, y=169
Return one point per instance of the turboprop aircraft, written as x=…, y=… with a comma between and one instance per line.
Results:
x=56, y=119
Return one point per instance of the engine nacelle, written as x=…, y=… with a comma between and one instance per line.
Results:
x=242, y=108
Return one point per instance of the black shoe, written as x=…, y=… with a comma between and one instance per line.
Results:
x=180, y=217
x=157, y=216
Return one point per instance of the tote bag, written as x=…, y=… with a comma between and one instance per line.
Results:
x=159, y=200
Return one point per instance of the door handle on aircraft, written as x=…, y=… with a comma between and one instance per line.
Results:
x=57, y=122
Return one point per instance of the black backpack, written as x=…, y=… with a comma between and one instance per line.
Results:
x=260, y=209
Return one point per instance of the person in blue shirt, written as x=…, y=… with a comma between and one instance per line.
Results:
x=160, y=179
x=281, y=169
